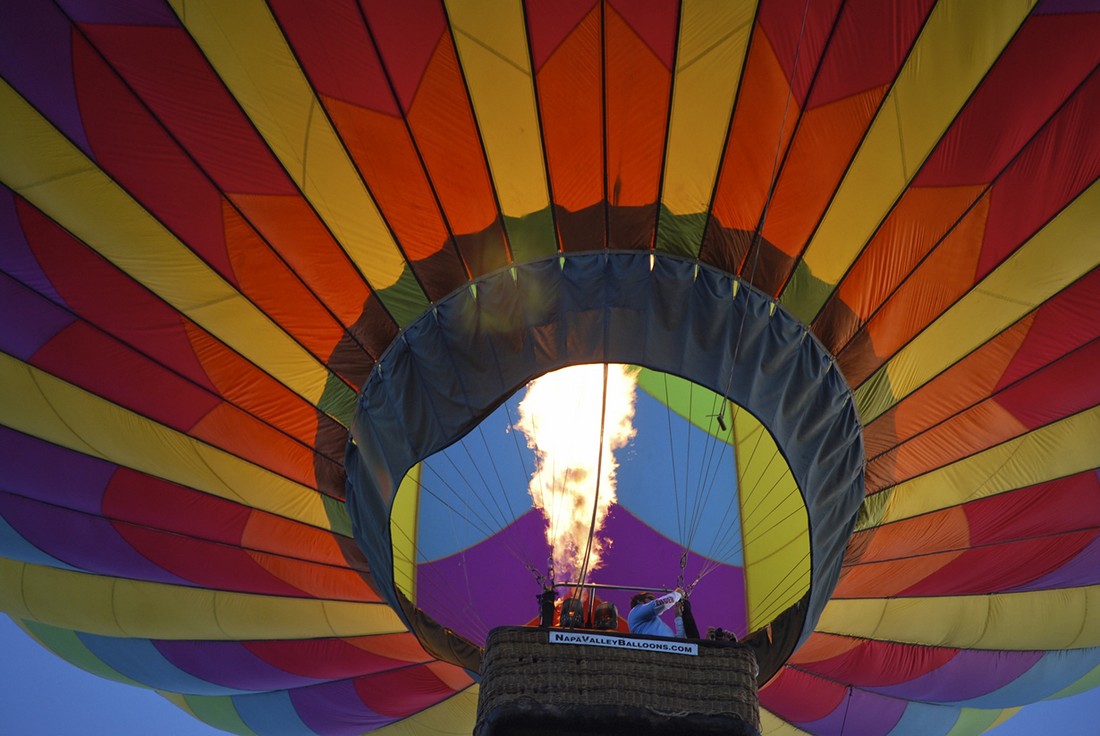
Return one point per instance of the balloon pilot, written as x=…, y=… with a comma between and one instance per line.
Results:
x=646, y=609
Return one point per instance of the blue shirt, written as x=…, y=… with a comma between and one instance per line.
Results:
x=644, y=619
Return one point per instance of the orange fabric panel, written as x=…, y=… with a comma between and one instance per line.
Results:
x=820, y=647
x=751, y=154
x=934, y=286
x=267, y=282
x=964, y=384
x=270, y=533
x=919, y=535
x=914, y=227
x=326, y=583
x=237, y=433
x=384, y=154
x=569, y=84
x=819, y=155
x=309, y=249
x=888, y=579
x=241, y=383
x=980, y=427
x=443, y=125
x=450, y=675
x=402, y=647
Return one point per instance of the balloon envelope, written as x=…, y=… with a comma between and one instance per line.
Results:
x=216, y=218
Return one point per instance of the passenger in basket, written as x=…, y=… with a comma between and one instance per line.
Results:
x=646, y=609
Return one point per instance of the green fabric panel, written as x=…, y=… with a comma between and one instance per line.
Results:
x=805, y=294
x=217, y=710
x=531, y=236
x=974, y=720
x=874, y=396
x=694, y=403
x=681, y=234
x=338, y=400
x=67, y=645
x=338, y=518
x=404, y=300
x=872, y=510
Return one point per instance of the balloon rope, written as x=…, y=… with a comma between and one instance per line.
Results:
x=599, y=474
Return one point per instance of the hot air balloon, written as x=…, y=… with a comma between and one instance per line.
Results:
x=275, y=277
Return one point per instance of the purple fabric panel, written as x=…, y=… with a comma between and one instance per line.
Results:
x=29, y=320
x=229, y=664
x=1084, y=569
x=1047, y=7
x=863, y=713
x=15, y=255
x=36, y=59
x=121, y=12
x=641, y=556
x=335, y=709
x=79, y=539
x=486, y=585
x=36, y=469
x=969, y=674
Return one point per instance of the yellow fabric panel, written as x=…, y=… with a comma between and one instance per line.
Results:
x=1054, y=451
x=491, y=40
x=771, y=725
x=714, y=38
x=45, y=168
x=774, y=524
x=960, y=42
x=130, y=608
x=1063, y=251
x=1044, y=620
x=455, y=716
x=403, y=529
x=44, y=406
x=244, y=45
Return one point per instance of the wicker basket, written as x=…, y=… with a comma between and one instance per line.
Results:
x=534, y=687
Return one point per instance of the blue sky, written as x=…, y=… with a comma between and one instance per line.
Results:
x=42, y=695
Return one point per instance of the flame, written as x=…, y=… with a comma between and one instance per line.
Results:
x=561, y=418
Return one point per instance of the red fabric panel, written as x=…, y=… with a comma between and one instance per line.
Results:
x=1066, y=153
x=402, y=693
x=1065, y=156
x=94, y=361
x=983, y=569
x=867, y=48
x=798, y=32
x=177, y=509
x=433, y=94
x=1044, y=509
x=551, y=22
x=172, y=78
x=408, y=36
x=206, y=564
x=636, y=95
x=1052, y=393
x=139, y=155
x=800, y=697
x=328, y=659
x=880, y=663
x=169, y=74
x=107, y=298
x=969, y=154
x=374, y=133
x=652, y=22
x=1067, y=321
x=570, y=94
x=330, y=38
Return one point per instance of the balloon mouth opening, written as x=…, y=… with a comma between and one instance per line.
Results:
x=462, y=361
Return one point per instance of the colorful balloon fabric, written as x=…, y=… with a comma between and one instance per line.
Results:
x=225, y=227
